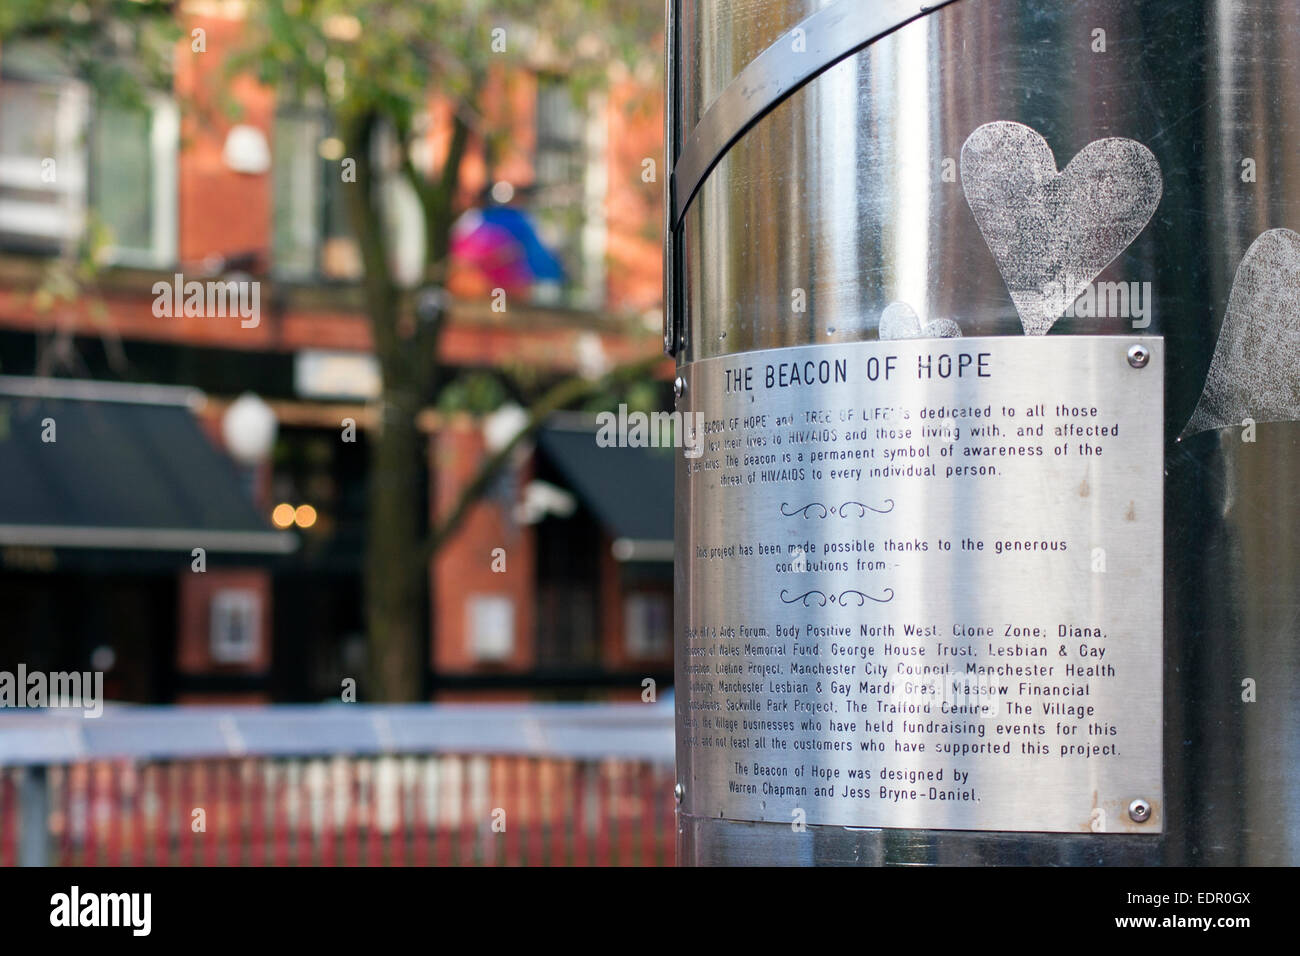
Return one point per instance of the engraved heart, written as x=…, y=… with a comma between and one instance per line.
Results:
x=1052, y=233
x=1254, y=373
x=899, y=321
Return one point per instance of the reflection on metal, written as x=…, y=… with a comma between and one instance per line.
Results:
x=809, y=49
x=845, y=192
x=672, y=109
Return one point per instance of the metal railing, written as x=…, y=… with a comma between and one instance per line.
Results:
x=345, y=784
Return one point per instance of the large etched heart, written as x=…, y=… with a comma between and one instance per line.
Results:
x=1255, y=371
x=1051, y=232
x=899, y=321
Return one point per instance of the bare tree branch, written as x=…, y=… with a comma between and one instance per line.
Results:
x=560, y=396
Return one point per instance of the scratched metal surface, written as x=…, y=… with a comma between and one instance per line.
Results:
x=838, y=192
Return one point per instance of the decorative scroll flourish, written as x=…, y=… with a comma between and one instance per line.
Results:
x=864, y=508
x=803, y=597
x=804, y=509
x=843, y=599
x=839, y=511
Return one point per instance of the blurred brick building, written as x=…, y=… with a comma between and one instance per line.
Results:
x=558, y=584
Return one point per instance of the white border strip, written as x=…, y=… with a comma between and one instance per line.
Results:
x=146, y=539
x=92, y=391
x=641, y=549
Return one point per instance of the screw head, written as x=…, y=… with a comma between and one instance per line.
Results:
x=678, y=792
x=1139, y=356
x=679, y=387
x=1139, y=810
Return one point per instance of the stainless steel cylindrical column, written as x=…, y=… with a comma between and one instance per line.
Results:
x=833, y=160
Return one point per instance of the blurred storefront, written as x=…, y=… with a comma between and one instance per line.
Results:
x=97, y=537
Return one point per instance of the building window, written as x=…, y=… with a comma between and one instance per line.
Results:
x=310, y=236
x=235, y=626
x=569, y=193
x=67, y=159
x=647, y=625
x=42, y=163
x=491, y=627
x=133, y=180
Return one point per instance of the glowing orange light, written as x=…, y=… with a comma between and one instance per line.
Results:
x=305, y=516
x=282, y=516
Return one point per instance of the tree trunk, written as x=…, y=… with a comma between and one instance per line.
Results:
x=396, y=572
x=396, y=569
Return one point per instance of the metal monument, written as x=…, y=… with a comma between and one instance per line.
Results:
x=987, y=323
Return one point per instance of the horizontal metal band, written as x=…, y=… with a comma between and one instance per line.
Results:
x=828, y=36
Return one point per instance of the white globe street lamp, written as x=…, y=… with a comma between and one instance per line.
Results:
x=248, y=429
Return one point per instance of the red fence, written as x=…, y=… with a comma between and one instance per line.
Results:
x=469, y=810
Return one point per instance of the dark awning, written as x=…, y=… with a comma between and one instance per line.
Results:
x=129, y=469
x=629, y=490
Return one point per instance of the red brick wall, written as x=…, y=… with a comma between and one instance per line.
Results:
x=613, y=590
x=470, y=338
x=224, y=212
x=634, y=208
x=612, y=647
x=193, y=654
x=509, y=103
x=464, y=565
x=221, y=211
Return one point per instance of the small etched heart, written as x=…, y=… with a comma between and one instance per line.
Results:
x=899, y=321
x=1255, y=372
x=1051, y=232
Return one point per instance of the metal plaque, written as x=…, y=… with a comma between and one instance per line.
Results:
x=926, y=584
